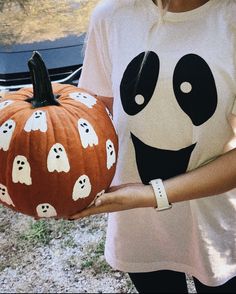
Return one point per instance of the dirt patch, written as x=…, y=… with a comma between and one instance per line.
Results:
x=49, y=256
x=57, y=256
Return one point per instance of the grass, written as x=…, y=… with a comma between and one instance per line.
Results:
x=26, y=244
x=69, y=243
x=41, y=232
x=38, y=233
x=95, y=258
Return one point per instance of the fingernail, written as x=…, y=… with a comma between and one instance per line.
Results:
x=98, y=202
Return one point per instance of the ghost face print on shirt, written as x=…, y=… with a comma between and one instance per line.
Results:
x=196, y=96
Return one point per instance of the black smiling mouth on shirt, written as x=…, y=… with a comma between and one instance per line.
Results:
x=156, y=163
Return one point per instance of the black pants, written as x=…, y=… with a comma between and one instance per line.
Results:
x=174, y=282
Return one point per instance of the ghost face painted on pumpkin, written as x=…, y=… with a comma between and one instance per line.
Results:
x=57, y=159
x=82, y=188
x=4, y=196
x=87, y=133
x=111, y=154
x=194, y=95
x=5, y=103
x=84, y=98
x=21, y=170
x=37, y=121
x=6, y=132
x=46, y=210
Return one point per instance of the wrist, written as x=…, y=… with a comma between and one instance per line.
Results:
x=162, y=201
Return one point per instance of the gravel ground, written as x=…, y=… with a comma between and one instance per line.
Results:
x=49, y=256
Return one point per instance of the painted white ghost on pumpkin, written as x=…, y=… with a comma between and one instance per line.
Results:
x=21, y=171
x=4, y=195
x=84, y=98
x=6, y=132
x=5, y=103
x=111, y=153
x=46, y=210
x=37, y=121
x=87, y=133
x=57, y=159
x=82, y=188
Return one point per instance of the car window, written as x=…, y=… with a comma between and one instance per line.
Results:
x=29, y=21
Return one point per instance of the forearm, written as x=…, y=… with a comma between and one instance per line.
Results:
x=211, y=179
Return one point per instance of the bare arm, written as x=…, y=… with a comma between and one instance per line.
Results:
x=213, y=178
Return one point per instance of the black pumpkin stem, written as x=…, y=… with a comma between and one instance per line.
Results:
x=42, y=87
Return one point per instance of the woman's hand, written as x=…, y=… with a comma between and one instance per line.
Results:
x=120, y=198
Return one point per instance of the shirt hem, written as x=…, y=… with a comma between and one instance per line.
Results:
x=156, y=266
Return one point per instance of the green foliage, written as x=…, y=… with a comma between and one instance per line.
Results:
x=95, y=259
x=69, y=243
x=41, y=232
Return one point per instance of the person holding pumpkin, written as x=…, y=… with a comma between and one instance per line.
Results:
x=170, y=67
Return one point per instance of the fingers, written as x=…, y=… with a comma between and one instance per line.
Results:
x=119, y=198
x=104, y=203
x=84, y=213
x=104, y=199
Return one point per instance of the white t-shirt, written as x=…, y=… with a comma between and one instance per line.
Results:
x=173, y=118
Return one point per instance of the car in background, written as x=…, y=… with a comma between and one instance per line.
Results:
x=56, y=29
x=63, y=59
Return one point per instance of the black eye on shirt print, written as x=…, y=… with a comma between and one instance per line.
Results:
x=139, y=82
x=194, y=88
x=195, y=91
x=193, y=84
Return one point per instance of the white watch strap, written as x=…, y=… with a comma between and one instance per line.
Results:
x=160, y=193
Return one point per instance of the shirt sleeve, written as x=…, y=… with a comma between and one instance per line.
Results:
x=96, y=71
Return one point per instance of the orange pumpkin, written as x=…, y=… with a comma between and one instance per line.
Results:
x=58, y=147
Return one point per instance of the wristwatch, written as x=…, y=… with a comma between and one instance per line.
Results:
x=160, y=194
